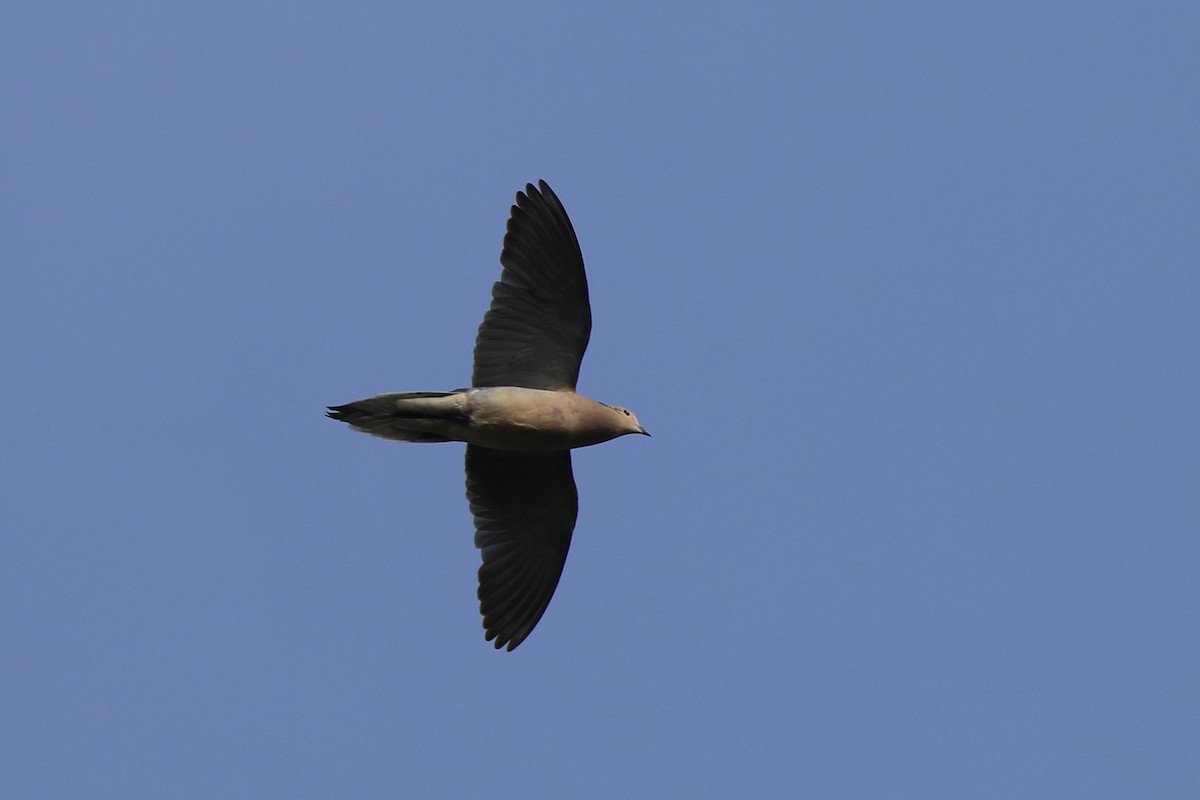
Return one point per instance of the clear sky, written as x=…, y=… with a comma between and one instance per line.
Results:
x=906, y=293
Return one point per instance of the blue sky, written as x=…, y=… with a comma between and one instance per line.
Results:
x=907, y=295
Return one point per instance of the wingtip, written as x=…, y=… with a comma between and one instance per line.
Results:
x=532, y=191
x=500, y=643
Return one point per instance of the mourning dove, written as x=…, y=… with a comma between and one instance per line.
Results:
x=519, y=419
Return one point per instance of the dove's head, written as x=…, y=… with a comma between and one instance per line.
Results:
x=627, y=422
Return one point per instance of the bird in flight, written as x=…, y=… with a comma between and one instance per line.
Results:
x=520, y=418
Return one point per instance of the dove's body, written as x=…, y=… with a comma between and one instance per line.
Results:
x=521, y=418
x=499, y=417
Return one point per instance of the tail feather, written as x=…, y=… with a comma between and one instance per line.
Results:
x=404, y=416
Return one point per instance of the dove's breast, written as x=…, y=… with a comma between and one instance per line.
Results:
x=515, y=418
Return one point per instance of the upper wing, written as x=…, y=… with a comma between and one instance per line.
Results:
x=537, y=328
x=524, y=506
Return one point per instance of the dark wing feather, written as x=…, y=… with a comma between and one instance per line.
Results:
x=537, y=328
x=524, y=506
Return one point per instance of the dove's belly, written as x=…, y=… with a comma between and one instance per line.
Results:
x=516, y=418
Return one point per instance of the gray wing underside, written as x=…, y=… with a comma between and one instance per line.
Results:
x=537, y=328
x=524, y=506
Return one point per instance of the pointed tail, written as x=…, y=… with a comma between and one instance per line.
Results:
x=405, y=416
